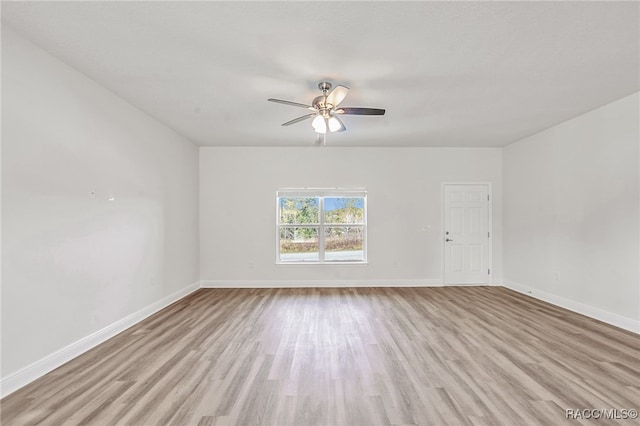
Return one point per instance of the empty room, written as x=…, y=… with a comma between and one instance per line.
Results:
x=320, y=213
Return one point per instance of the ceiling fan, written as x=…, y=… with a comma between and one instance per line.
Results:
x=325, y=111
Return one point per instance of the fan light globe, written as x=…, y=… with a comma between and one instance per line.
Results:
x=319, y=125
x=334, y=124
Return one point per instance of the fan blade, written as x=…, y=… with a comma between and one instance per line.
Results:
x=337, y=95
x=321, y=139
x=299, y=119
x=339, y=129
x=280, y=101
x=360, y=111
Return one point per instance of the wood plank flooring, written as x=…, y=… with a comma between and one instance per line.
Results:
x=344, y=356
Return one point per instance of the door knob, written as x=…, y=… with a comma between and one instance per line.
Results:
x=447, y=240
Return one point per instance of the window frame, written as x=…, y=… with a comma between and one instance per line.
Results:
x=321, y=194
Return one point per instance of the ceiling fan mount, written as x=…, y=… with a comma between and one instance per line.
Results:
x=324, y=86
x=325, y=110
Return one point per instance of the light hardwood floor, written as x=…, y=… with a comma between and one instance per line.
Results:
x=344, y=356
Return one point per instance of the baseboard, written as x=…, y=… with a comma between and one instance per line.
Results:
x=581, y=308
x=319, y=283
x=28, y=374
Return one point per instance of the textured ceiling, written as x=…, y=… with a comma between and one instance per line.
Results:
x=448, y=73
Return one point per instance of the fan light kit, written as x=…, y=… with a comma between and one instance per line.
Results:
x=325, y=110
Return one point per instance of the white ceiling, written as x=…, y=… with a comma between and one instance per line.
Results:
x=448, y=73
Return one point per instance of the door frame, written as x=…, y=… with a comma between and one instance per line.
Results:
x=489, y=228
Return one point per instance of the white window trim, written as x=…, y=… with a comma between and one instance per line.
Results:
x=322, y=193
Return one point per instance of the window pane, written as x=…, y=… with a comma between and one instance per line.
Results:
x=299, y=244
x=294, y=210
x=344, y=243
x=343, y=210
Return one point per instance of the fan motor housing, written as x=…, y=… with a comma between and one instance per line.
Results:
x=320, y=104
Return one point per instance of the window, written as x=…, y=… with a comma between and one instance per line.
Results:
x=321, y=226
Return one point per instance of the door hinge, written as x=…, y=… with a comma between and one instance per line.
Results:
x=488, y=235
x=488, y=271
x=488, y=197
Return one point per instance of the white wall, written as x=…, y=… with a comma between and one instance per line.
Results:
x=73, y=265
x=571, y=218
x=237, y=210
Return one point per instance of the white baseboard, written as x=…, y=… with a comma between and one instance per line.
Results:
x=590, y=311
x=28, y=374
x=319, y=283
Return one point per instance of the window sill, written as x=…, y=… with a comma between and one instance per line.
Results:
x=336, y=263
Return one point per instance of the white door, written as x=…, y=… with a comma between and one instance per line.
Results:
x=466, y=234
